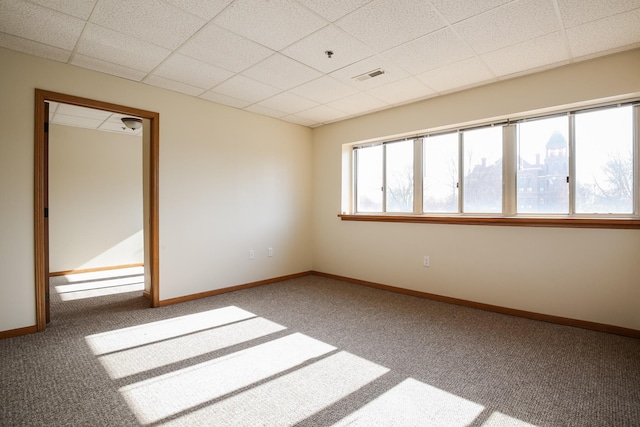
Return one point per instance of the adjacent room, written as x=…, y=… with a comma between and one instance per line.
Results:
x=368, y=212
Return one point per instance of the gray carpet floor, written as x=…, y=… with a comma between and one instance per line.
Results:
x=311, y=352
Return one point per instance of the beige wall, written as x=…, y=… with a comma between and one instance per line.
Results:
x=230, y=181
x=95, y=198
x=585, y=274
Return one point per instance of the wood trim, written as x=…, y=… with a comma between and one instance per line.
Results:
x=18, y=332
x=206, y=294
x=600, y=327
x=94, y=269
x=561, y=222
x=153, y=228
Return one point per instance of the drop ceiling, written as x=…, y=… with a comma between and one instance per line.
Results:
x=268, y=56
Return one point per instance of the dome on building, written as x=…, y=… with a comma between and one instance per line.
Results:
x=557, y=140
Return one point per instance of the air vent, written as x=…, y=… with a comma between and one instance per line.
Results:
x=369, y=75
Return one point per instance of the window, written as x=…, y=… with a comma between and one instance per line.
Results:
x=573, y=164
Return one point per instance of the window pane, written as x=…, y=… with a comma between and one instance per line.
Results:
x=543, y=166
x=483, y=170
x=369, y=179
x=440, y=181
x=400, y=176
x=604, y=161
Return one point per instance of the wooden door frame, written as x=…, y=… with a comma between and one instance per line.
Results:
x=41, y=253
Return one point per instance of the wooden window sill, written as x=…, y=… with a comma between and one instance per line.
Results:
x=562, y=222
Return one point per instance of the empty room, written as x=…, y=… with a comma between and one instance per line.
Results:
x=320, y=212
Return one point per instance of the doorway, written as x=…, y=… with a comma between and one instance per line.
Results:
x=150, y=189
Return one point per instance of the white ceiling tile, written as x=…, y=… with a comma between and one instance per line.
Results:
x=431, y=51
x=392, y=73
x=107, y=67
x=191, y=71
x=79, y=8
x=274, y=23
x=528, y=55
x=40, y=24
x=281, y=72
x=359, y=103
x=90, y=113
x=321, y=114
x=287, y=102
x=333, y=9
x=224, y=99
x=34, y=48
x=605, y=34
x=246, y=89
x=401, y=91
x=265, y=111
x=173, y=85
x=205, y=9
x=83, y=122
x=576, y=12
x=323, y=90
x=383, y=24
x=311, y=50
x=509, y=24
x=117, y=48
x=150, y=20
x=457, y=10
x=225, y=49
x=459, y=75
x=298, y=120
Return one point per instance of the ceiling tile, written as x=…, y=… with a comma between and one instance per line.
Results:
x=383, y=24
x=358, y=104
x=40, y=24
x=321, y=114
x=245, y=89
x=333, y=9
x=265, y=111
x=509, y=24
x=117, y=48
x=459, y=75
x=83, y=122
x=79, y=8
x=528, y=55
x=311, y=50
x=287, y=102
x=401, y=91
x=152, y=21
x=457, y=10
x=274, y=23
x=90, y=113
x=298, y=120
x=576, y=12
x=224, y=49
x=205, y=9
x=34, y=48
x=224, y=99
x=431, y=51
x=323, y=90
x=281, y=72
x=190, y=71
x=391, y=73
x=605, y=34
x=173, y=85
x=107, y=67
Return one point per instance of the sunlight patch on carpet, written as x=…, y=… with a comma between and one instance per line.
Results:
x=498, y=419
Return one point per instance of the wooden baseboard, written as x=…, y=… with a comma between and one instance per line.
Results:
x=230, y=289
x=18, y=332
x=600, y=327
x=94, y=269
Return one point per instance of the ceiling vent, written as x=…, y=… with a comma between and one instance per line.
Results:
x=369, y=75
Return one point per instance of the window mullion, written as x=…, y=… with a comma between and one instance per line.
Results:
x=636, y=159
x=572, y=165
x=384, y=178
x=461, y=167
x=509, y=162
x=418, y=173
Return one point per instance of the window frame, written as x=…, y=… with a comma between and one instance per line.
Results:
x=509, y=215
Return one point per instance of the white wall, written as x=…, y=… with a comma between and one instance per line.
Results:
x=230, y=181
x=95, y=198
x=585, y=274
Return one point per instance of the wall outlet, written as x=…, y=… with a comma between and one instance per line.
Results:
x=270, y=252
x=426, y=262
x=252, y=254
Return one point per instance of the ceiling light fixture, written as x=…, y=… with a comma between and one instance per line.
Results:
x=369, y=75
x=132, y=123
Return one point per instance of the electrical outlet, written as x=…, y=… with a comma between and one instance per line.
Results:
x=426, y=262
x=252, y=254
x=270, y=252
